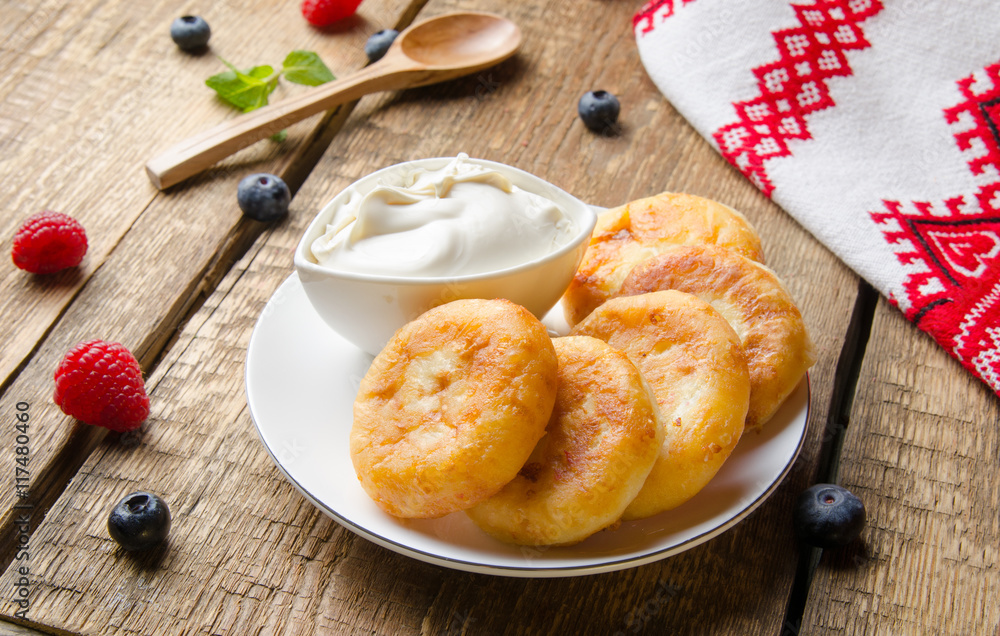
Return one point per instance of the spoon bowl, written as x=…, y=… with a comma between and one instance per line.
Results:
x=430, y=51
x=460, y=40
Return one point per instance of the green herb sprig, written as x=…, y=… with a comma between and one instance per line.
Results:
x=249, y=90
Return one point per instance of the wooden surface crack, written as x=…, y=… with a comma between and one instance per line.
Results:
x=838, y=418
x=845, y=381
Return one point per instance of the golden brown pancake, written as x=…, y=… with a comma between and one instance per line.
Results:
x=452, y=407
x=627, y=235
x=754, y=302
x=600, y=444
x=693, y=361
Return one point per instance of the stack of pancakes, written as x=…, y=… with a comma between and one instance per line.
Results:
x=681, y=338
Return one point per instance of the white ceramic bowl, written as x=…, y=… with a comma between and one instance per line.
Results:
x=367, y=309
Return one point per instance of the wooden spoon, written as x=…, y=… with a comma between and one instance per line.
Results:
x=430, y=51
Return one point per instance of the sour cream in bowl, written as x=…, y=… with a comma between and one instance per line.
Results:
x=422, y=233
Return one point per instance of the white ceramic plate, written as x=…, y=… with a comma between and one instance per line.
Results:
x=301, y=380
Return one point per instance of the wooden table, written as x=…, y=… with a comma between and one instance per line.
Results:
x=91, y=89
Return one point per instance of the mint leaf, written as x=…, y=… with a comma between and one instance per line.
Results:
x=305, y=67
x=262, y=72
x=246, y=90
x=249, y=90
x=235, y=89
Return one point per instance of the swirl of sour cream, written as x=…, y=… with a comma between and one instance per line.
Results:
x=465, y=218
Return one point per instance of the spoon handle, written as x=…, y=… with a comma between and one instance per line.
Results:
x=200, y=151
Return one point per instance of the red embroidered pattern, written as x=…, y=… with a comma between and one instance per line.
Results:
x=951, y=251
x=795, y=86
x=652, y=13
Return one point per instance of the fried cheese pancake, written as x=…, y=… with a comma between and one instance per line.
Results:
x=627, y=235
x=600, y=445
x=754, y=302
x=693, y=361
x=452, y=407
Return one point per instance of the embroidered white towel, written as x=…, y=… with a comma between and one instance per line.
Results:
x=875, y=124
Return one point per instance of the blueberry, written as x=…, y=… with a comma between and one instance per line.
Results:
x=828, y=516
x=599, y=111
x=378, y=43
x=190, y=32
x=263, y=197
x=140, y=521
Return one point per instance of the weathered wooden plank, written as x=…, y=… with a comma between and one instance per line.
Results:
x=921, y=451
x=90, y=90
x=248, y=553
x=153, y=256
x=13, y=629
x=24, y=21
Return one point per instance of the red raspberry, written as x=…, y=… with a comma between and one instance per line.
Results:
x=323, y=13
x=100, y=383
x=48, y=242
